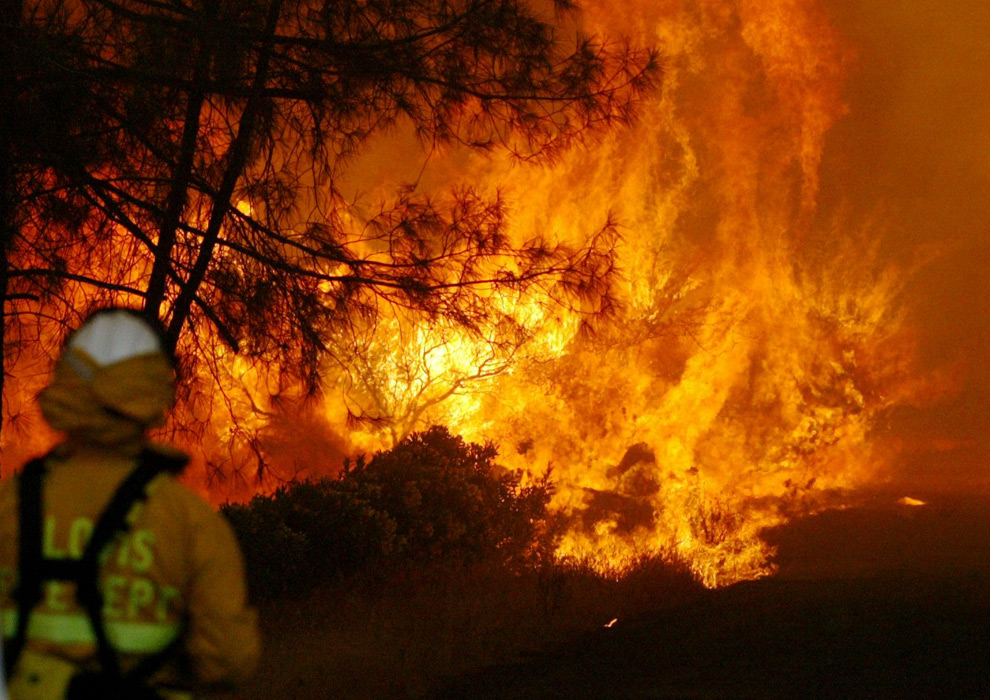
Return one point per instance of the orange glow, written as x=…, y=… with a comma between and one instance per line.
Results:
x=908, y=501
x=757, y=344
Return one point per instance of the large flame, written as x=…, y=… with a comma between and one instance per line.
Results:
x=755, y=346
x=758, y=341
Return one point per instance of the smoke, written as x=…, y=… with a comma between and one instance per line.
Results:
x=915, y=145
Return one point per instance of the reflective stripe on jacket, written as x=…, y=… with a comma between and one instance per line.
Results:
x=74, y=629
x=178, y=571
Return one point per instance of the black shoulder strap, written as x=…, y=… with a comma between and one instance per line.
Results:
x=34, y=568
x=111, y=522
x=29, y=555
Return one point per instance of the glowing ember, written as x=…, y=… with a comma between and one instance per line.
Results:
x=908, y=501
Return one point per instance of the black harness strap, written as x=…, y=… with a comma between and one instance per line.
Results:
x=111, y=522
x=29, y=556
x=35, y=568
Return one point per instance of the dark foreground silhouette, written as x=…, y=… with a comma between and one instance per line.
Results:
x=905, y=614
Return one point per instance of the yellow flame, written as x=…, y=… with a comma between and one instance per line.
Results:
x=758, y=339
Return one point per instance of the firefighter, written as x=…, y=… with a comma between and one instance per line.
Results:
x=115, y=580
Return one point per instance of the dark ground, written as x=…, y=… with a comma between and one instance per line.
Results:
x=876, y=602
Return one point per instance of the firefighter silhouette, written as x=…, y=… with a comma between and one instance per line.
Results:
x=115, y=580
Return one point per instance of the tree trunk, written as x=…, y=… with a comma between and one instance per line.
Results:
x=238, y=155
x=182, y=172
x=10, y=20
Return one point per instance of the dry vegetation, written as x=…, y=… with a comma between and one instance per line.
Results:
x=408, y=636
x=364, y=595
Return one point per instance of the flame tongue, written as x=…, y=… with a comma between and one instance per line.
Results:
x=757, y=340
x=756, y=351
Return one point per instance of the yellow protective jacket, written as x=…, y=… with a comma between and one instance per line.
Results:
x=178, y=572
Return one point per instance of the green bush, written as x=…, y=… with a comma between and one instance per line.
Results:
x=432, y=498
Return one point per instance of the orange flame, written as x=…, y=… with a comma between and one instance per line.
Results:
x=759, y=340
x=757, y=344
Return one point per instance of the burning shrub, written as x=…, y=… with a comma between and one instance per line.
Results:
x=432, y=498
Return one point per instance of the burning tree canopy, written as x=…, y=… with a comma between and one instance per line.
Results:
x=665, y=318
x=186, y=156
